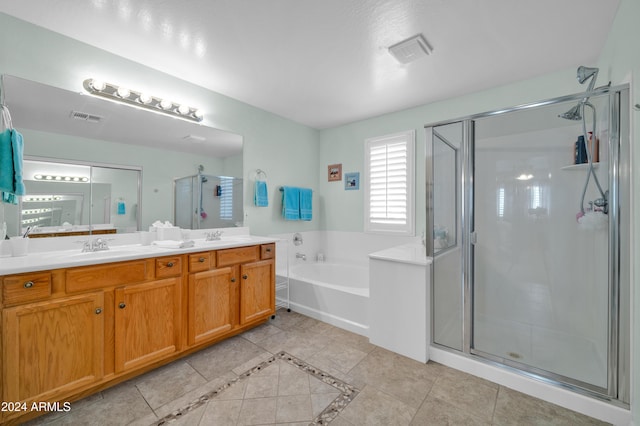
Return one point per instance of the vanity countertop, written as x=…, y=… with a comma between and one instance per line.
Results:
x=56, y=259
x=413, y=254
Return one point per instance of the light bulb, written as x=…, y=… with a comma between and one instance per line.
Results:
x=184, y=109
x=98, y=85
x=38, y=177
x=165, y=104
x=144, y=98
x=123, y=92
x=198, y=114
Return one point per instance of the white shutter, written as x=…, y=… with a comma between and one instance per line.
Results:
x=389, y=184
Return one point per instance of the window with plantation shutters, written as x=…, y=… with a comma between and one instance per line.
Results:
x=389, y=180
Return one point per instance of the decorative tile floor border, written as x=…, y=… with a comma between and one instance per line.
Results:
x=347, y=392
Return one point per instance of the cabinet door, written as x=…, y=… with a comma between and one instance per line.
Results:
x=210, y=296
x=257, y=293
x=52, y=348
x=147, y=323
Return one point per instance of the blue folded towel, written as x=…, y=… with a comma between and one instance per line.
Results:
x=260, y=195
x=306, y=209
x=291, y=203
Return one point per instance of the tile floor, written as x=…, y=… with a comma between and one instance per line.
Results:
x=295, y=370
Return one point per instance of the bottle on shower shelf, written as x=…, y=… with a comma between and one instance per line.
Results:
x=594, y=149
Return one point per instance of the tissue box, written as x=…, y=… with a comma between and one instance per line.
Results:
x=173, y=233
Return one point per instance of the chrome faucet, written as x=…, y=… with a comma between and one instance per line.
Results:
x=301, y=256
x=97, y=244
x=213, y=236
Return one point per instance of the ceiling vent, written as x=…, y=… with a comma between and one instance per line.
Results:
x=411, y=49
x=85, y=116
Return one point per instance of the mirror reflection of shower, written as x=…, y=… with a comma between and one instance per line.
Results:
x=205, y=201
x=587, y=145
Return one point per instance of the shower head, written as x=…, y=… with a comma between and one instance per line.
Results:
x=584, y=73
x=574, y=113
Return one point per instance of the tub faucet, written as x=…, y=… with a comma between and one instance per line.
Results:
x=301, y=256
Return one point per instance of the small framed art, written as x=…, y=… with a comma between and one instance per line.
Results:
x=335, y=172
x=352, y=180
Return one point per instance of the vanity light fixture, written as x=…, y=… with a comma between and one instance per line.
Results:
x=141, y=100
x=57, y=178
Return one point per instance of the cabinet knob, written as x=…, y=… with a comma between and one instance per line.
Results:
x=28, y=284
x=170, y=264
x=98, y=311
x=268, y=250
x=244, y=277
x=233, y=280
x=201, y=260
x=122, y=305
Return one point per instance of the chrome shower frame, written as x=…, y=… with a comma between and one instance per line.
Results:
x=618, y=358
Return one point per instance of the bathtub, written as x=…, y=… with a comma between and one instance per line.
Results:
x=336, y=293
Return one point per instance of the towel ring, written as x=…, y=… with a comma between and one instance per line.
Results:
x=259, y=173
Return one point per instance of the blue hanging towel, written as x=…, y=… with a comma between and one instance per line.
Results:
x=122, y=207
x=6, y=162
x=11, y=148
x=260, y=196
x=291, y=203
x=17, y=145
x=306, y=208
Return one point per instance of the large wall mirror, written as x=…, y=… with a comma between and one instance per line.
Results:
x=126, y=159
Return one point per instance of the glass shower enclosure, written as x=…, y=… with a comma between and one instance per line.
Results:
x=530, y=240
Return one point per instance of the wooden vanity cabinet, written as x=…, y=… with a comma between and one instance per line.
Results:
x=147, y=323
x=69, y=332
x=211, y=295
x=52, y=348
x=257, y=291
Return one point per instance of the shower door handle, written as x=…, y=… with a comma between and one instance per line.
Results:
x=473, y=238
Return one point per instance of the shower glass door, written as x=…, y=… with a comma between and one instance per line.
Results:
x=541, y=279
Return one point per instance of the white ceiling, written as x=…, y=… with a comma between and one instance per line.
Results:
x=324, y=63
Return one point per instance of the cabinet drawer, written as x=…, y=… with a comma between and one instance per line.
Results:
x=237, y=255
x=168, y=266
x=26, y=288
x=267, y=251
x=201, y=262
x=111, y=274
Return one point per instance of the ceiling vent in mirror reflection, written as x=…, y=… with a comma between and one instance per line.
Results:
x=85, y=116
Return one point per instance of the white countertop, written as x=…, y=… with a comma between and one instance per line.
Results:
x=66, y=258
x=413, y=254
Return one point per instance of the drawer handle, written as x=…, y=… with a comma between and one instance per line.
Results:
x=201, y=260
x=98, y=311
x=122, y=305
x=170, y=264
x=268, y=250
x=28, y=284
x=244, y=277
x=233, y=280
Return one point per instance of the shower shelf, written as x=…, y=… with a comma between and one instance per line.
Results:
x=577, y=167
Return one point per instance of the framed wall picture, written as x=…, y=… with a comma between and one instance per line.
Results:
x=352, y=181
x=335, y=173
